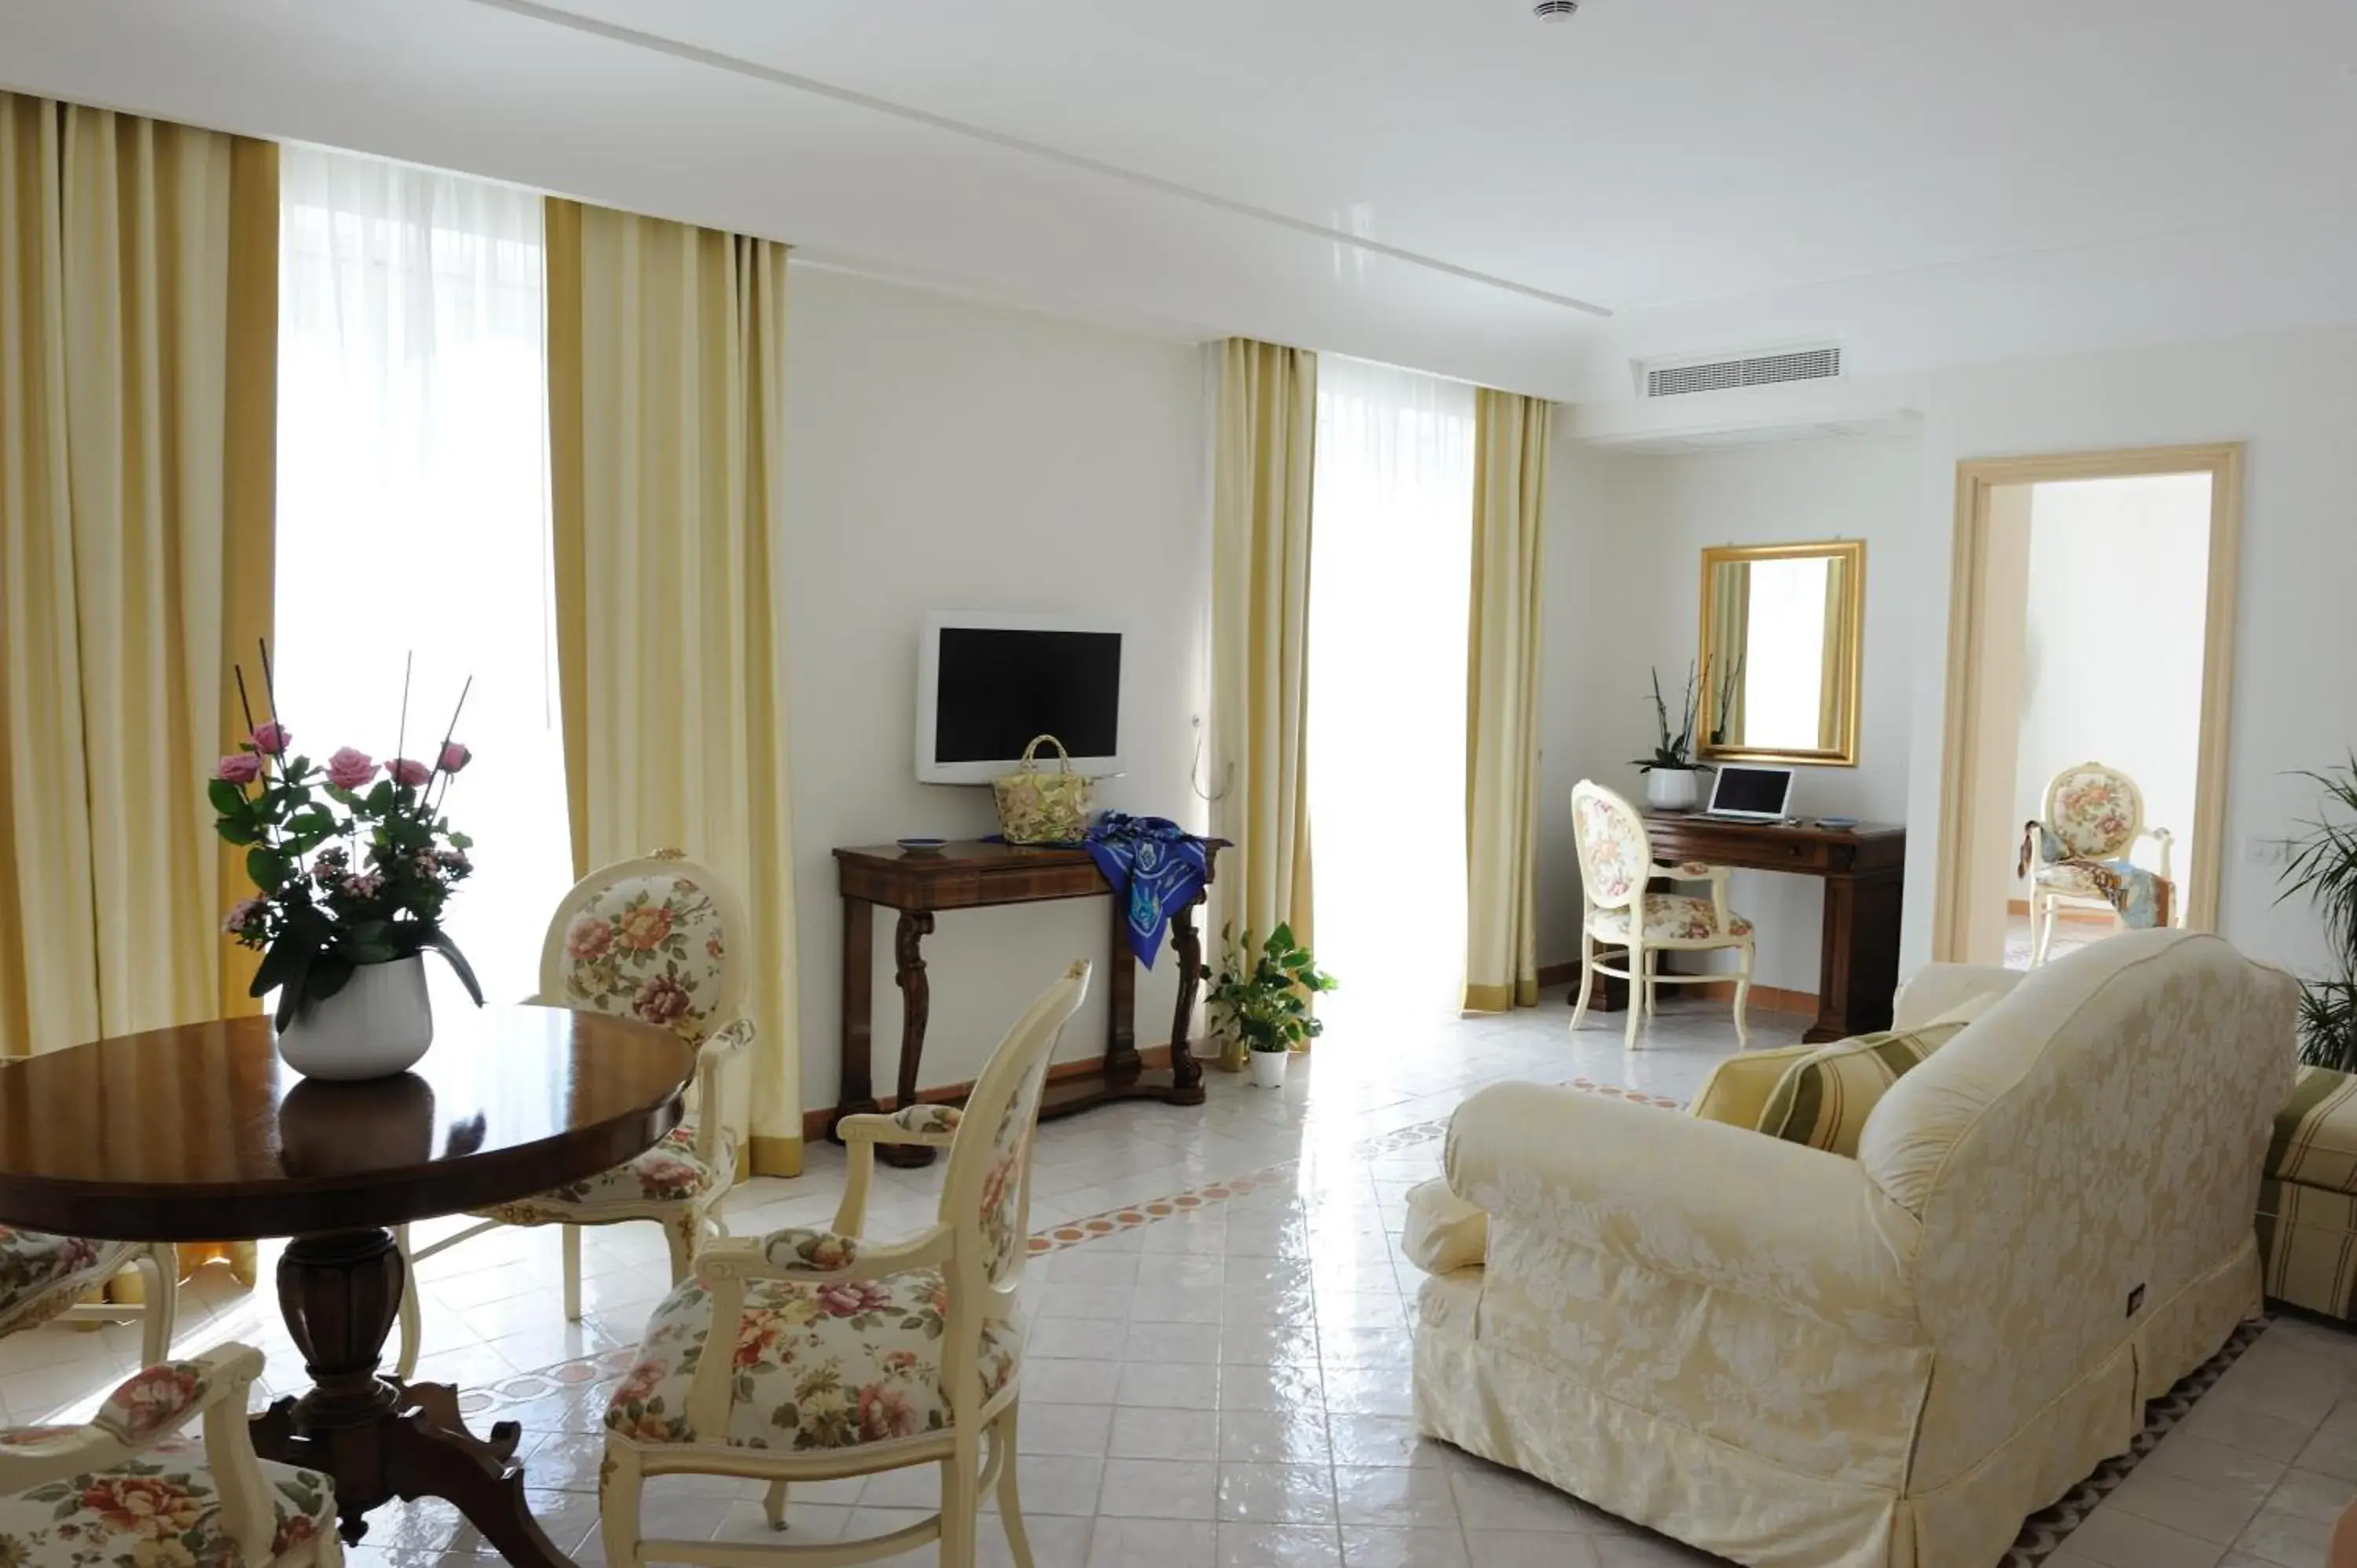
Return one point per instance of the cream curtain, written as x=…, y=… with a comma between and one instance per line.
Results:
x=1263, y=461
x=1502, y=678
x=666, y=423
x=137, y=411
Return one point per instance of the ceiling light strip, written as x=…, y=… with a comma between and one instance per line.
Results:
x=735, y=66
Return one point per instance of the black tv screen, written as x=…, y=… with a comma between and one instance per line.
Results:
x=998, y=688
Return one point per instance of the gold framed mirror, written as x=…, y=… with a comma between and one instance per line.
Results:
x=1781, y=649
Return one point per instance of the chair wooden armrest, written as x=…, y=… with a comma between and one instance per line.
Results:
x=150, y=1406
x=929, y=1126
x=1696, y=871
x=717, y=1109
x=2168, y=842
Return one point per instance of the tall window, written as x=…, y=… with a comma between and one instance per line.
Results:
x=413, y=513
x=1390, y=580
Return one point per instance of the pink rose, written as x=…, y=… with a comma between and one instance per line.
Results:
x=849, y=1298
x=272, y=738
x=588, y=939
x=662, y=1000
x=349, y=768
x=238, y=768
x=408, y=770
x=455, y=756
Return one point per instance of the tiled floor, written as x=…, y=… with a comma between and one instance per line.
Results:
x=1229, y=1386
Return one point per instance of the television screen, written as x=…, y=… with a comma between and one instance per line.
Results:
x=997, y=687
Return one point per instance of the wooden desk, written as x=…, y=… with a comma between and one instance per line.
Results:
x=975, y=874
x=1864, y=870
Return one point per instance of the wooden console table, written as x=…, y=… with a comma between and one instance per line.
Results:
x=1864, y=870
x=975, y=874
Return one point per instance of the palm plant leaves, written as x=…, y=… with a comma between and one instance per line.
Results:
x=2324, y=865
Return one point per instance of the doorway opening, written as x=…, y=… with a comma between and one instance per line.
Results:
x=2089, y=674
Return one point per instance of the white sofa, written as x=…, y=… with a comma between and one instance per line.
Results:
x=1800, y=1360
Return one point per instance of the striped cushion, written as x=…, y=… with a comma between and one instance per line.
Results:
x=1822, y=1100
x=2308, y=1199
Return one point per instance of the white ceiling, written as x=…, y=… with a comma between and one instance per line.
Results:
x=1929, y=183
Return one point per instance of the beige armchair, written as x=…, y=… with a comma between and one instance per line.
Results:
x=649, y=939
x=851, y=1357
x=126, y=1490
x=1616, y=866
x=1800, y=1360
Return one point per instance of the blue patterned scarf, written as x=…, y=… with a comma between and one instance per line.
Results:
x=1155, y=867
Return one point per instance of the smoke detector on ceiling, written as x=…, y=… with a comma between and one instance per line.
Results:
x=1556, y=10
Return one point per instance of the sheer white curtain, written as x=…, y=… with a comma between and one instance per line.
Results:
x=1390, y=579
x=413, y=513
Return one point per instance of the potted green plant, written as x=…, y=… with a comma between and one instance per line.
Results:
x=1670, y=783
x=1261, y=997
x=2324, y=865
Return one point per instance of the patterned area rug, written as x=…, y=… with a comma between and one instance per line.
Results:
x=2040, y=1534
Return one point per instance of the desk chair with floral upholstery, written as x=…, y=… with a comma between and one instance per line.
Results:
x=835, y=1356
x=125, y=1489
x=2097, y=813
x=648, y=939
x=1616, y=865
x=43, y=1278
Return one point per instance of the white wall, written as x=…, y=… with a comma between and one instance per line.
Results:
x=2293, y=400
x=2119, y=571
x=1625, y=537
x=946, y=455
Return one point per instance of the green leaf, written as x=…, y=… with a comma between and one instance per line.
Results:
x=267, y=869
x=380, y=799
x=238, y=833
x=326, y=977
x=227, y=798
x=442, y=944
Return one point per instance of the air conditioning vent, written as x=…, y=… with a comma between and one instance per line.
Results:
x=1759, y=371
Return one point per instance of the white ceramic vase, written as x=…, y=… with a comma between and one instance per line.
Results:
x=380, y=1023
x=1671, y=790
x=1268, y=1069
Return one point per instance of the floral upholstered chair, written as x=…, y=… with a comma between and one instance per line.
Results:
x=813, y=1355
x=126, y=1490
x=45, y=1277
x=648, y=939
x=1616, y=863
x=2098, y=813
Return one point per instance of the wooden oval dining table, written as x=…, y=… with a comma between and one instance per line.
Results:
x=201, y=1132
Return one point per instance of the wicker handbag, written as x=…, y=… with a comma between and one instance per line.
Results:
x=1043, y=807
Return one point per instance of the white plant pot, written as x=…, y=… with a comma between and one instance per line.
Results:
x=380, y=1023
x=1672, y=789
x=1268, y=1069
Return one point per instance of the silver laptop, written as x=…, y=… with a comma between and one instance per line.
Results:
x=1750, y=794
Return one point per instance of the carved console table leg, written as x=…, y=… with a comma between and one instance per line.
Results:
x=1187, y=946
x=376, y=1439
x=916, y=1008
x=858, y=1090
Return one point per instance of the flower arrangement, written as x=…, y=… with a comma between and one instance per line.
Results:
x=1675, y=753
x=1261, y=994
x=349, y=868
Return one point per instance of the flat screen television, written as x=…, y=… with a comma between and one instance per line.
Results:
x=988, y=681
